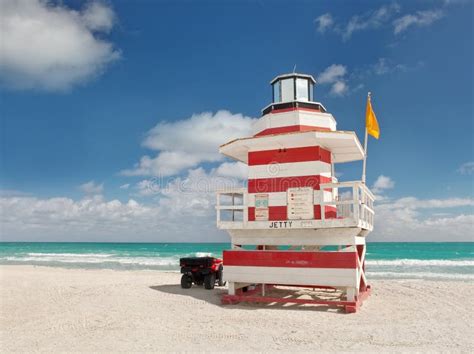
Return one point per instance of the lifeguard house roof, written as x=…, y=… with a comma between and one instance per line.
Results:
x=344, y=146
x=286, y=76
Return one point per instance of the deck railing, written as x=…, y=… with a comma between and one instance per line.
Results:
x=353, y=201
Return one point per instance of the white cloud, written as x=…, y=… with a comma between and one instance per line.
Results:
x=419, y=19
x=98, y=17
x=92, y=188
x=182, y=210
x=381, y=17
x=49, y=46
x=233, y=170
x=125, y=186
x=335, y=76
x=332, y=73
x=467, y=168
x=187, y=143
x=385, y=66
x=339, y=88
x=370, y=20
x=382, y=183
x=413, y=219
x=324, y=22
x=147, y=187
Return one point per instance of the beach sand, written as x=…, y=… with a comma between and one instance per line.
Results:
x=62, y=310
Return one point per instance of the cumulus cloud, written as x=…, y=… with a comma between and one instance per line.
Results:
x=125, y=186
x=186, y=143
x=233, y=170
x=324, y=22
x=382, y=183
x=413, y=219
x=63, y=219
x=147, y=187
x=48, y=46
x=467, y=168
x=182, y=210
x=419, y=19
x=334, y=75
x=92, y=188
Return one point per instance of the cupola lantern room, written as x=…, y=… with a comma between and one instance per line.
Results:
x=295, y=224
x=292, y=87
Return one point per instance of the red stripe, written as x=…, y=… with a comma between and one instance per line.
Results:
x=278, y=213
x=331, y=212
x=281, y=184
x=287, y=155
x=292, y=128
x=291, y=259
x=274, y=213
x=291, y=109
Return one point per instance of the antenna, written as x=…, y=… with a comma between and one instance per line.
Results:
x=294, y=69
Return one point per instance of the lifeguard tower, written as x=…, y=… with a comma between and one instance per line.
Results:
x=296, y=225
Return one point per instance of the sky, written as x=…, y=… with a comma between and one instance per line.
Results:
x=111, y=113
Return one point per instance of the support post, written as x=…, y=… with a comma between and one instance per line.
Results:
x=365, y=156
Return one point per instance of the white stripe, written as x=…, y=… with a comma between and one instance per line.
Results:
x=297, y=276
x=280, y=198
x=285, y=119
x=290, y=169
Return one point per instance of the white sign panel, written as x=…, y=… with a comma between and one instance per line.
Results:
x=300, y=203
x=261, y=207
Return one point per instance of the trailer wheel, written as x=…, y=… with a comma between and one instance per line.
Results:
x=221, y=281
x=186, y=281
x=210, y=281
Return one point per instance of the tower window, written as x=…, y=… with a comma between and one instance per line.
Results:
x=302, y=91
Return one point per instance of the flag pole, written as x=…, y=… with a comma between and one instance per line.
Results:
x=365, y=147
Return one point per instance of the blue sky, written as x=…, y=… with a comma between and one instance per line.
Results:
x=80, y=97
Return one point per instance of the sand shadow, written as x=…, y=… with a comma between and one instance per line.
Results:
x=199, y=294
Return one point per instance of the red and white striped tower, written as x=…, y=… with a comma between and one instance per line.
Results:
x=294, y=206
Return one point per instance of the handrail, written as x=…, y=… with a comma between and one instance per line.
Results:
x=357, y=210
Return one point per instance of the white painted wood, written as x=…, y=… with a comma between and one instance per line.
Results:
x=350, y=294
x=300, y=276
x=321, y=237
x=284, y=119
x=345, y=146
x=290, y=169
x=230, y=286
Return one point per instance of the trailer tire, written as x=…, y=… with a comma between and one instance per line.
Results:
x=186, y=281
x=210, y=281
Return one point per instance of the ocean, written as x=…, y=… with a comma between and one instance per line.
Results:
x=397, y=260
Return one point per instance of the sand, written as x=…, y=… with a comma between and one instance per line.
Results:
x=62, y=310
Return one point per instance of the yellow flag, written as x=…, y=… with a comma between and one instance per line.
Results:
x=371, y=121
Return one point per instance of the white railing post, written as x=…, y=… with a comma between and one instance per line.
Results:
x=355, y=198
x=233, y=203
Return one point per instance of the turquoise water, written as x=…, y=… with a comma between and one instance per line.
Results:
x=384, y=260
